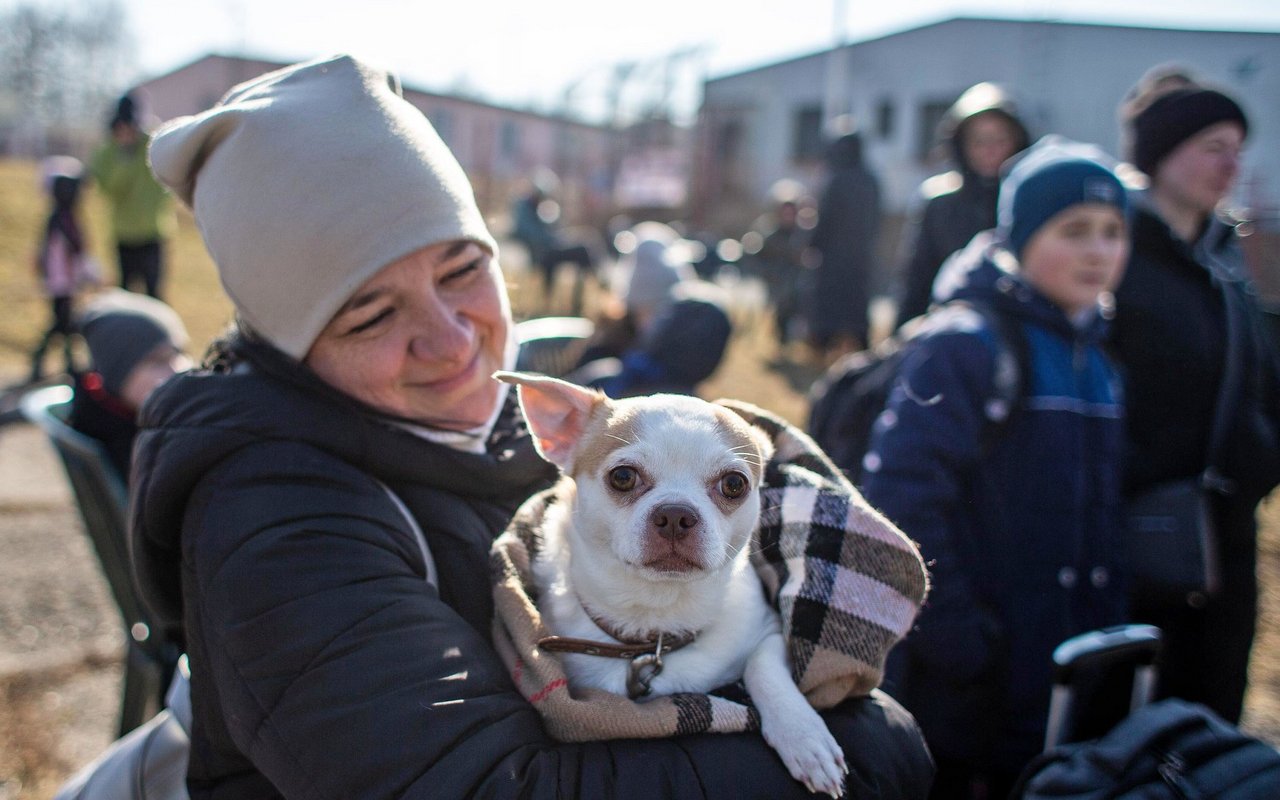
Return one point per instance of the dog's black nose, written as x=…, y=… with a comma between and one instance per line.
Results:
x=674, y=521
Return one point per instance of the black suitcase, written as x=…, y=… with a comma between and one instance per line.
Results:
x=1168, y=749
x=1084, y=660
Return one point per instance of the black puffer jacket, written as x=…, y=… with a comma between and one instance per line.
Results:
x=1170, y=339
x=957, y=205
x=323, y=663
x=845, y=239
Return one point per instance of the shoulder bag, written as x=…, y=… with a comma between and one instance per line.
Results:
x=1171, y=538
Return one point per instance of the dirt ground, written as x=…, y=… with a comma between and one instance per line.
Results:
x=61, y=639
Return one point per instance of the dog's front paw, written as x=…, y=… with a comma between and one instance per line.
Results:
x=810, y=752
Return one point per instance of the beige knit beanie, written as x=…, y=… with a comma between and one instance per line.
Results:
x=307, y=181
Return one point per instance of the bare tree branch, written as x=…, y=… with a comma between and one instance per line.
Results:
x=61, y=66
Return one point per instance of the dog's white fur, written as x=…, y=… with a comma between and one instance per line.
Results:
x=603, y=549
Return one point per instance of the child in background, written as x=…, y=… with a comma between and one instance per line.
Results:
x=135, y=343
x=62, y=263
x=673, y=332
x=1018, y=510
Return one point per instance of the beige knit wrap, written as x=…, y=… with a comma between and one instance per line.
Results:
x=847, y=583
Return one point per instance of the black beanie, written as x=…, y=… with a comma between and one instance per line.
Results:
x=1158, y=129
x=122, y=328
x=126, y=112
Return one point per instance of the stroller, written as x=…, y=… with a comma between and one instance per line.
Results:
x=1166, y=749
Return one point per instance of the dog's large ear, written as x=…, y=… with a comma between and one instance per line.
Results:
x=557, y=412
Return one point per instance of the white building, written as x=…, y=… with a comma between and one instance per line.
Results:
x=765, y=124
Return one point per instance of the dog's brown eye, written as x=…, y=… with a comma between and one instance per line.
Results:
x=734, y=485
x=623, y=479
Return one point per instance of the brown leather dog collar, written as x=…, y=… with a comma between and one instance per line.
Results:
x=659, y=642
x=628, y=649
x=645, y=655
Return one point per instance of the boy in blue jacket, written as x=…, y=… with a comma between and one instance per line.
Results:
x=1017, y=510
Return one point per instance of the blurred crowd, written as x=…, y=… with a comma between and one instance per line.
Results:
x=1116, y=286
x=1108, y=290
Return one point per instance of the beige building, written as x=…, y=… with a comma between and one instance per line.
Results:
x=500, y=148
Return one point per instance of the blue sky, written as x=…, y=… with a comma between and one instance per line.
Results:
x=526, y=53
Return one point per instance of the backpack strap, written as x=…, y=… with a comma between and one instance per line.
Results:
x=846, y=401
x=1013, y=362
x=1012, y=367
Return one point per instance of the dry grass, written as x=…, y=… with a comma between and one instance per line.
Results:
x=753, y=371
x=192, y=287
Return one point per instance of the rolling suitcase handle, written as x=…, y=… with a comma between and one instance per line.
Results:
x=1135, y=644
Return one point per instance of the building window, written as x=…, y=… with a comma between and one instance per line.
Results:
x=807, y=144
x=729, y=140
x=570, y=148
x=885, y=118
x=509, y=140
x=931, y=114
x=442, y=121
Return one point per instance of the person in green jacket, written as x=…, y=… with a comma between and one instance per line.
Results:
x=141, y=209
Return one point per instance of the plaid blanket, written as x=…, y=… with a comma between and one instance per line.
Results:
x=847, y=583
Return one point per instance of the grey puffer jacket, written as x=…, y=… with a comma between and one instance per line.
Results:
x=324, y=665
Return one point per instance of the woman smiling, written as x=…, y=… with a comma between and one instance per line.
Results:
x=313, y=513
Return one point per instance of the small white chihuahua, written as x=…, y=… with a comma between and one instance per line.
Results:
x=644, y=571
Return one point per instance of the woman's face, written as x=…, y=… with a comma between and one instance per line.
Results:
x=1077, y=255
x=989, y=139
x=1201, y=171
x=421, y=338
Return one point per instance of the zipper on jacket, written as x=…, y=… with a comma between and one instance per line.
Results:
x=1172, y=770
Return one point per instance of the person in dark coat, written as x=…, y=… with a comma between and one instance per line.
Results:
x=982, y=130
x=535, y=216
x=1017, y=510
x=844, y=241
x=313, y=513
x=1170, y=336
x=135, y=344
x=780, y=261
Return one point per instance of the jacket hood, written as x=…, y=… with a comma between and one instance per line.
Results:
x=845, y=152
x=983, y=98
x=986, y=272
x=198, y=419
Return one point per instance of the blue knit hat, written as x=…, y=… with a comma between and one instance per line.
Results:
x=1053, y=174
